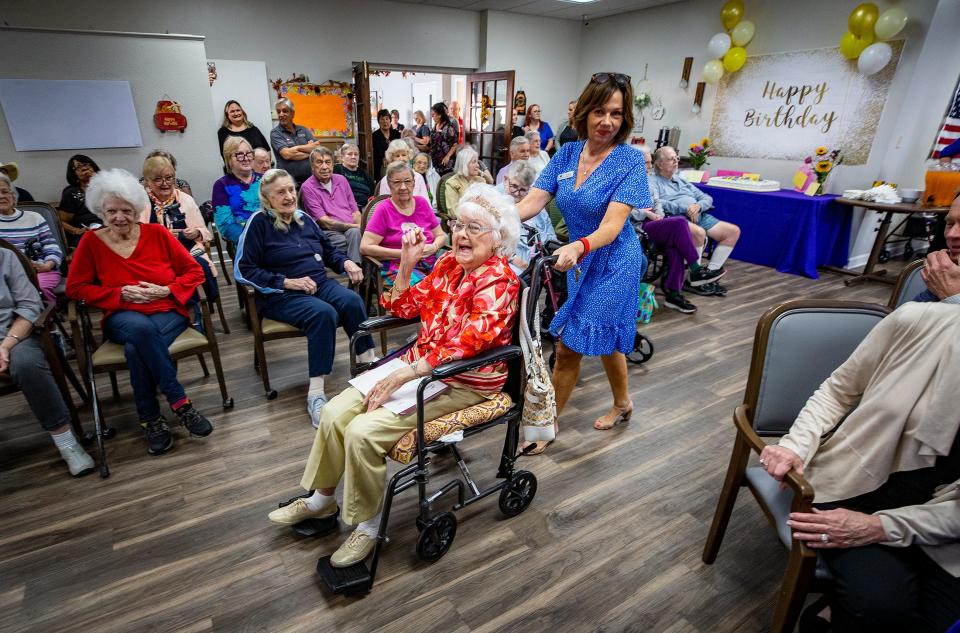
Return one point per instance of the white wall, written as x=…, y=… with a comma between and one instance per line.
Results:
x=319, y=39
x=395, y=93
x=663, y=36
x=183, y=77
x=545, y=54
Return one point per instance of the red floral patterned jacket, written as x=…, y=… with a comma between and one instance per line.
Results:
x=461, y=317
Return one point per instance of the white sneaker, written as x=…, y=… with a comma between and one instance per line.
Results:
x=77, y=460
x=315, y=406
x=298, y=511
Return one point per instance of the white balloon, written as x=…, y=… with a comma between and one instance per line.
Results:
x=742, y=33
x=890, y=23
x=874, y=58
x=718, y=45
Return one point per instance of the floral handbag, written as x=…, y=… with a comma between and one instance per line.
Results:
x=539, y=399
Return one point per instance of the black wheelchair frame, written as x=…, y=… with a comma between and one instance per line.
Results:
x=516, y=488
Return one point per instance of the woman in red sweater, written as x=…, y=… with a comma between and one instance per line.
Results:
x=141, y=277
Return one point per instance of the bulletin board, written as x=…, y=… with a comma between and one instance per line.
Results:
x=324, y=109
x=783, y=105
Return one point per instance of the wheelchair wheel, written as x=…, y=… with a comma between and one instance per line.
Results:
x=436, y=537
x=642, y=350
x=517, y=495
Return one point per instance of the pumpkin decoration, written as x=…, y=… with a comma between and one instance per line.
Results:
x=168, y=117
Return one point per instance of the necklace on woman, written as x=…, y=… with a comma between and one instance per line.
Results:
x=587, y=169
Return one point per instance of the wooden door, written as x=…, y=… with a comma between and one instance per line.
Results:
x=361, y=93
x=487, y=122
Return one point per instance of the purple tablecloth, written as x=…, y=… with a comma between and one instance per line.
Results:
x=786, y=230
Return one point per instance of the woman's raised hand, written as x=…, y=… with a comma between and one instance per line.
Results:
x=412, y=244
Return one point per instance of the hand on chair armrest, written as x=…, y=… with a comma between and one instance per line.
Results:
x=801, y=488
x=489, y=357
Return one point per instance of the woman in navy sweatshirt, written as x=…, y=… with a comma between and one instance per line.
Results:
x=282, y=255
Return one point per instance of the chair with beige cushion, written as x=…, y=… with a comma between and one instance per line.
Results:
x=796, y=347
x=109, y=358
x=264, y=330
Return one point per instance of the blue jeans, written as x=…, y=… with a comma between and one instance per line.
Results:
x=318, y=316
x=145, y=339
x=209, y=281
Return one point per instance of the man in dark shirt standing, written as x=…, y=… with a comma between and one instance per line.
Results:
x=381, y=139
x=292, y=143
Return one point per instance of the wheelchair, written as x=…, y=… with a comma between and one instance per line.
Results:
x=516, y=488
x=555, y=285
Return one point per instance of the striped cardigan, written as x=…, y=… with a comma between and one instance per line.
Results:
x=21, y=227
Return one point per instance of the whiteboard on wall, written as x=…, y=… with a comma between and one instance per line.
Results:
x=785, y=105
x=45, y=114
x=247, y=83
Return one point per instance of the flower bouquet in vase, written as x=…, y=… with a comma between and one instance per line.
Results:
x=700, y=153
x=823, y=162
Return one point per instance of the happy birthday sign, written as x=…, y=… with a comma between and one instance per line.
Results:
x=782, y=106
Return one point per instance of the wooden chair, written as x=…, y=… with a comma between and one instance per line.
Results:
x=442, y=211
x=109, y=358
x=218, y=244
x=217, y=304
x=373, y=282
x=796, y=347
x=909, y=284
x=58, y=367
x=264, y=330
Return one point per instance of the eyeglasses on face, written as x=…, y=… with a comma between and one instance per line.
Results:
x=473, y=229
x=618, y=78
x=243, y=155
x=400, y=183
x=517, y=189
x=163, y=179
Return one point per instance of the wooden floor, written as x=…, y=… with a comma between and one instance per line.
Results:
x=612, y=542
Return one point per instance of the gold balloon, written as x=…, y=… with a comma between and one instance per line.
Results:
x=732, y=13
x=735, y=58
x=851, y=46
x=862, y=19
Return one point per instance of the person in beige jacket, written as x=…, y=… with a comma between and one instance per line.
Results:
x=886, y=476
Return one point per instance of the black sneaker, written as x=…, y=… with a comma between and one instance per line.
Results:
x=675, y=301
x=718, y=290
x=193, y=421
x=705, y=290
x=159, y=439
x=705, y=276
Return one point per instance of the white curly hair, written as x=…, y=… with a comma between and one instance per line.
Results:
x=488, y=204
x=118, y=183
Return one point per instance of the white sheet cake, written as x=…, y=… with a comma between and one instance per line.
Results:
x=746, y=184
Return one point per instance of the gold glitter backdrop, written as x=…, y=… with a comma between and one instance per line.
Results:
x=783, y=105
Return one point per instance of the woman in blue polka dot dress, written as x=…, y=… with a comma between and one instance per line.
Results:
x=596, y=182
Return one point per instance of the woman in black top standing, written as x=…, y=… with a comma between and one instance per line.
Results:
x=235, y=123
x=74, y=214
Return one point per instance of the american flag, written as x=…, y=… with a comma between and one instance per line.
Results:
x=951, y=125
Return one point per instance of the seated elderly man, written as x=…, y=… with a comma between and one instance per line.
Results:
x=942, y=272
x=879, y=443
x=292, y=143
x=328, y=199
x=679, y=241
x=282, y=255
x=680, y=198
x=467, y=305
x=519, y=150
x=262, y=160
x=142, y=279
x=21, y=355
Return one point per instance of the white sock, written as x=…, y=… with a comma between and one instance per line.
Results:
x=64, y=440
x=367, y=356
x=316, y=386
x=700, y=251
x=371, y=526
x=318, y=500
x=720, y=255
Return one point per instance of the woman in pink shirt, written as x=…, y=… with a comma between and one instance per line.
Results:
x=395, y=215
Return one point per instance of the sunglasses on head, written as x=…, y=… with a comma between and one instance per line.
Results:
x=618, y=78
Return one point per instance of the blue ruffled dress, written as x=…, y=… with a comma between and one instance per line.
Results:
x=599, y=315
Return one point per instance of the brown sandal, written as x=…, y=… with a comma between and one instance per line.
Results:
x=613, y=417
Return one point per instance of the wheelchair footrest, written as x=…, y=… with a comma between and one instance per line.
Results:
x=350, y=581
x=318, y=527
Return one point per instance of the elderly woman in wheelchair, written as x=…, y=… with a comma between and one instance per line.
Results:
x=467, y=305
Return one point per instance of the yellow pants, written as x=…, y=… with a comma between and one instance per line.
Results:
x=353, y=443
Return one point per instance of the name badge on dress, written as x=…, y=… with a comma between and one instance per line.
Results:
x=565, y=175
